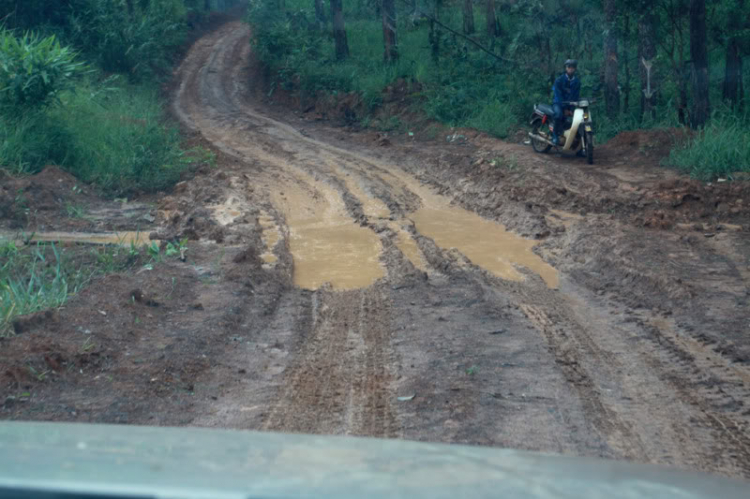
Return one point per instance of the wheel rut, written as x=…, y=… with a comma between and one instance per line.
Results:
x=400, y=292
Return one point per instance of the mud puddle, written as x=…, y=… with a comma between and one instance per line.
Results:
x=376, y=210
x=327, y=245
x=487, y=244
x=271, y=237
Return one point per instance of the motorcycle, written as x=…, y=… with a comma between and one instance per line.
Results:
x=578, y=136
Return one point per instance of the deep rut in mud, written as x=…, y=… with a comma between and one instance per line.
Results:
x=334, y=286
x=410, y=295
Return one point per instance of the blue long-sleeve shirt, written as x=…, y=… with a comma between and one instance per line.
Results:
x=567, y=89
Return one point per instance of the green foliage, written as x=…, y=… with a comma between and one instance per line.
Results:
x=110, y=134
x=41, y=276
x=131, y=42
x=720, y=151
x=31, y=141
x=34, y=71
x=135, y=37
x=464, y=86
x=106, y=132
x=120, y=140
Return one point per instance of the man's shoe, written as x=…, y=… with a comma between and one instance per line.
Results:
x=580, y=153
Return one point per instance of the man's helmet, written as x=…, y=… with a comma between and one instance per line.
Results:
x=571, y=63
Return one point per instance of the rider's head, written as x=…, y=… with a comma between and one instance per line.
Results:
x=571, y=66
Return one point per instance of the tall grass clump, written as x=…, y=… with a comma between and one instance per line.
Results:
x=32, y=140
x=722, y=149
x=111, y=134
x=55, y=111
x=42, y=276
x=135, y=41
x=119, y=139
x=35, y=279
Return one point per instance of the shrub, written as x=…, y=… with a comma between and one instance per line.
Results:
x=115, y=136
x=134, y=43
x=120, y=139
x=34, y=71
x=31, y=141
x=721, y=150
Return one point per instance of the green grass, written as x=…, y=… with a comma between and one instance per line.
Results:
x=120, y=139
x=40, y=277
x=43, y=276
x=112, y=134
x=720, y=151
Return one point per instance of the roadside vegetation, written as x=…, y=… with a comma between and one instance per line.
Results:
x=43, y=276
x=38, y=276
x=79, y=88
x=485, y=63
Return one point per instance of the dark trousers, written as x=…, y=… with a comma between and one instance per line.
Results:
x=559, y=118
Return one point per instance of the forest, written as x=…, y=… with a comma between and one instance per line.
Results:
x=485, y=63
x=80, y=78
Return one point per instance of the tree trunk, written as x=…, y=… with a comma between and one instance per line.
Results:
x=699, y=53
x=388, y=9
x=734, y=91
x=339, y=30
x=492, y=28
x=469, y=17
x=733, y=86
x=320, y=14
x=647, y=53
x=435, y=34
x=611, y=91
x=626, y=62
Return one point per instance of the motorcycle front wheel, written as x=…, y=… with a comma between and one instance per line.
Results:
x=538, y=145
x=590, y=147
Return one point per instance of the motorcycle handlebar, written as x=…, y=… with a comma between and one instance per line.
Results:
x=575, y=102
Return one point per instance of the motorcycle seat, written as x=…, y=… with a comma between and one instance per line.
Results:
x=545, y=109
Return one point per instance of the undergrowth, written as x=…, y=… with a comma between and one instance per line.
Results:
x=44, y=276
x=111, y=133
x=722, y=150
x=56, y=106
x=465, y=87
x=38, y=276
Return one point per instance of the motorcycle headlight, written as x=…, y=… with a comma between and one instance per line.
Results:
x=583, y=103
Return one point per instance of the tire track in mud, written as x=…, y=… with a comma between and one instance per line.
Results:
x=641, y=403
x=339, y=384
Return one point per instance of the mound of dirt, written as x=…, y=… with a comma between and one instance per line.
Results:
x=39, y=199
x=183, y=214
x=653, y=143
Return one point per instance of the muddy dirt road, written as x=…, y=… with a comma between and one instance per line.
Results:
x=407, y=291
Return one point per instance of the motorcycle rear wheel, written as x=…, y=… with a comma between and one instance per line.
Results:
x=538, y=145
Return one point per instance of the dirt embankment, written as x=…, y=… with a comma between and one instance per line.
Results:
x=456, y=291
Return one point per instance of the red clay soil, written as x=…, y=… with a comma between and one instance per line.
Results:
x=641, y=353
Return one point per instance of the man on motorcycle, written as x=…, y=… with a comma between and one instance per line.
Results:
x=567, y=88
